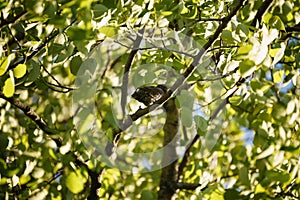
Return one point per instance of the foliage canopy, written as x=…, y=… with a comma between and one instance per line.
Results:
x=247, y=91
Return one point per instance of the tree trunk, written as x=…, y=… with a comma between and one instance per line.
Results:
x=168, y=173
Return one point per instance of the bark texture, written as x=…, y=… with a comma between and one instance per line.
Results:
x=168, y=178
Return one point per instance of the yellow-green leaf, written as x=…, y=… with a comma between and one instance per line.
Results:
x=184, y=10
x=109, y=31
x=276, y=22
x=245, y=49
x=279, y=54
x=278, y=75
x=166, y=13
x=20, y=70
x=4, y=63
x=273, y=52
x=259, y=189
x=75, y=182
x=9, y=87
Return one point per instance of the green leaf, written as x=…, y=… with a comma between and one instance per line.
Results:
x=34, y=73
x=279, y=176
x=147, y=195
x=20, y=70
x=244, y=28
x=75, y=64
x=231, y=194
x=75, y=182
x=99, y=10
x=243, y=176
x=150, y=76
x=185, y=99
x=245, y=49
x=278, y=111
x=247, y=67
x=227, y=36
x=76, y=33
x=9, y=87
x=201, y=123
x=186, y=117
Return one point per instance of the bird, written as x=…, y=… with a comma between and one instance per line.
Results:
x=149, y=94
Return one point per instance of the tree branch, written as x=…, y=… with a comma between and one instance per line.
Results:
x=168, y=178
x=187, y=186
x=53, y=133
x=128, y=64
x=141, y=112
x=191, y=69
x=295, y=28
x=261, y=11
x=94, y=177
x=11, y=21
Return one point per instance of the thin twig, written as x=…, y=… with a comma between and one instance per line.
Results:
x=127, y=67
x=59, y=85
x=50, y=37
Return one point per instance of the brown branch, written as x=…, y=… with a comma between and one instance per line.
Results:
x=52, y=86
x=34, y=117
x=207, y=45
x=11, y=21
x=210, y=19
x=94, y=177
x=295, y=28
x=223, y=47
x=187, y=186
x=261, y=11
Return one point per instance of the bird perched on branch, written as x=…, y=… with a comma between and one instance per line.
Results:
x=149, y=94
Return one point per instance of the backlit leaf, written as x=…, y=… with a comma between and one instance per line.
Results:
x=4, y=63
x=9, y=87
x=278, y=76
x=109, y=31
x=75, y=182
x=20, y=70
